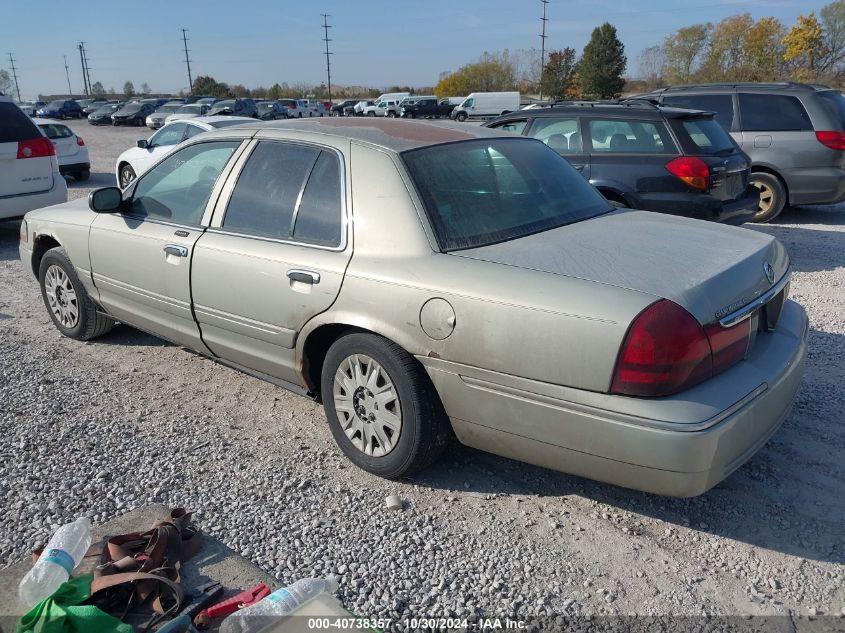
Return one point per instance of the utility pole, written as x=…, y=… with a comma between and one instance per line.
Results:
x=187, y=61
x=543, y=21
x=326, y=27
x=87, y=69
x=67, y=74
x=81, y=48
x=15, y=75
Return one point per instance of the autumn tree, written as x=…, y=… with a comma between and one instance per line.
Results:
x=603, y=63
x=741, y=49
x=805, y=45
x=682, y=52
x=492, y=72
x=833, y=26
x=128, y=89
x=97, y=89
x=559, y=74
x=652, y=61
x=145, y=88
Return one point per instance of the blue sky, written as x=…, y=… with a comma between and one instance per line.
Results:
x=376, y=42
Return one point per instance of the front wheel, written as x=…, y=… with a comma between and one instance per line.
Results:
x=381, y=407
x=461, y=117
x=126, y=176
x=71, y=309
x=772, y=196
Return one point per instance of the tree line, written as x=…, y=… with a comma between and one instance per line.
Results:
x=740, y=48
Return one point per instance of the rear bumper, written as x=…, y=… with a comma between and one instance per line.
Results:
x=17, y=206
x=702, y=206
x=660, y=445
x=72, y=168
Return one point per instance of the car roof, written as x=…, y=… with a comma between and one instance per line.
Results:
x=641, y=110
x=40, y=121
x=782, y=86
x=209, y=121
x=397, y=135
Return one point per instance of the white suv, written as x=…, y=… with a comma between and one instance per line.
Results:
x=29, y=170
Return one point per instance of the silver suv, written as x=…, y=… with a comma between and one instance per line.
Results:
x=793, y=132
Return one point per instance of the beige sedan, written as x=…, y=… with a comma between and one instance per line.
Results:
x=426, y=281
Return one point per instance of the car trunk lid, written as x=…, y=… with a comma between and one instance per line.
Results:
x=709, y=269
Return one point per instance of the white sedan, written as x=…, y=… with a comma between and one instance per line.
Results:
x=71, y=151
x=190, y=111
x=136, y=160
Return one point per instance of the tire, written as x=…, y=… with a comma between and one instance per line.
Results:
x=58, y=280
x=424, y=430
x=371, y=113
x=391, y=114
x=125, y=176
x=410, y=115
x=615, y=199
x=83, y=175
x=772, y=196
x=461, y=117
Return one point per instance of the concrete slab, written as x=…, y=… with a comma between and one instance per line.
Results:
x=214, y=561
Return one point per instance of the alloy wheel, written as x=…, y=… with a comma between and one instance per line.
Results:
x=766, y=197
x=61, y=296
x=367, y=405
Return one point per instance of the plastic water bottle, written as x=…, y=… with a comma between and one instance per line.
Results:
x=63, y=553
x=281, y=602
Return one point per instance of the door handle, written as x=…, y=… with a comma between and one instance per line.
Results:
x=176, y=250
x=305, y=276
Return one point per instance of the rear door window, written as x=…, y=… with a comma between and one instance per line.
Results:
x=562, y=134
x=55, y=131
x=266, y=194
x=515, y=127
x=772, y=113
x=621, y=136
x=318, y=218
x=15, y=126
x=722, y=105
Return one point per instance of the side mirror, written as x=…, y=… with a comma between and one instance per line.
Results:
x=105, y=200
x=143, y=143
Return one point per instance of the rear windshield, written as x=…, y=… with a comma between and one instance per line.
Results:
x=55, y=105
x=15, y=125
x=704, y=136
x=834, y=105
x=491, y=190
x=54, y=130
x=223, y=104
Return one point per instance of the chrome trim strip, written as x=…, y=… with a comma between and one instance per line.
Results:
x=744, y=312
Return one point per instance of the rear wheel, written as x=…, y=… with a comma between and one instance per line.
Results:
x=391, y=114
x=381, y=407
x=71, y=309
x=772, y=196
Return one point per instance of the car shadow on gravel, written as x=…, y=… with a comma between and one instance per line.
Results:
x=128, y=336
x=9, y=238
x=95, y=181
x=786, y=498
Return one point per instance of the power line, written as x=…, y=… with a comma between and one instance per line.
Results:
x=15, y=75
x=326, y=27
x=67, y=73
x=543, y=21
x=187, y=61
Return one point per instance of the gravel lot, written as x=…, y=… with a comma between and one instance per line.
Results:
x=106, y=426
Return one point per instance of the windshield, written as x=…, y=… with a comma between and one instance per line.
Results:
x=486, y=191
x=108, y=108
x=190, y=109
x=708, y=137
x=131, y=108
x=222, y=105
x=55, y=105
x=168, y=108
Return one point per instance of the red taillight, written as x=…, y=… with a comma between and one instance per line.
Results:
x=666, y=351
x=833, y=140
x=729, y=344
x=691, y=170
x=80, y=142
x=36, y=148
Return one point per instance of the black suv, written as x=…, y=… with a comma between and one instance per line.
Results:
x=427, y=107
x=649, y=157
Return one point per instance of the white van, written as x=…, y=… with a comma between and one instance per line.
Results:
x=486, y=104
x=393, y=96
